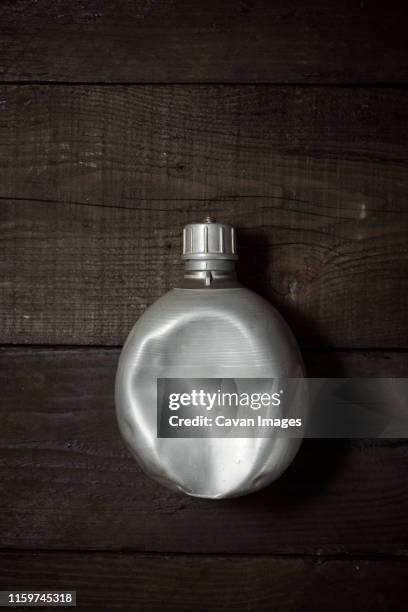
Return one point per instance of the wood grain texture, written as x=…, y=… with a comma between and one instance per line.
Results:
x=202, y=583
x=97, y=182
x=247, y=41
x=69, y=483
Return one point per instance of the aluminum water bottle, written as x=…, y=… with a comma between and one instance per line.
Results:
x=208, y=327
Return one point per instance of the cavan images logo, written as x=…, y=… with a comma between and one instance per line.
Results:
x=200, y=411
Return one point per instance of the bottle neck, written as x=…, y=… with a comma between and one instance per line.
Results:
x=209, y=273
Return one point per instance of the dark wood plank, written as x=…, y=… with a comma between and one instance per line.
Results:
x=179, y=41
x=69, y=483
x=355, y=364
x=96, y=184
x=185, y=582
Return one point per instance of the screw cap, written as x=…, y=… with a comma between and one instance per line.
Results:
x=209, y=240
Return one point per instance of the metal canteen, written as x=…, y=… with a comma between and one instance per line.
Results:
x=208, y=327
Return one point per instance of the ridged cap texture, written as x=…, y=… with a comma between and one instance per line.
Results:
x=209, y=240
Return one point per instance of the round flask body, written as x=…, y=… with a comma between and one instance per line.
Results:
x=205, y=333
